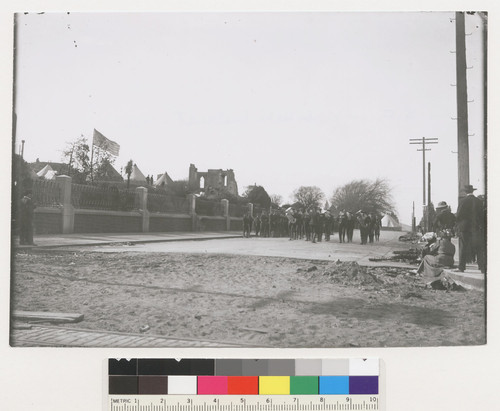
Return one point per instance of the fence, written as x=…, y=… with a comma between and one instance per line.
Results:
x=110, y=198
x=237, y=210
x=165, y=203
x=46, y=193
x=63, y=207
x=208, y=208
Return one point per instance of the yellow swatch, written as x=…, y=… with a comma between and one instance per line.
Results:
x=274, y=385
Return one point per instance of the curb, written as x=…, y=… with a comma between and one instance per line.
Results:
x=117, y=242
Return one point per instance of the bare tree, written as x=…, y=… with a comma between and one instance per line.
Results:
x=276, y=199
x=309, y=196
x=369, y=196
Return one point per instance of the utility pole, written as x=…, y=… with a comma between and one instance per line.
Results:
x=423, y=141
x=429, y=201
x=462, y=110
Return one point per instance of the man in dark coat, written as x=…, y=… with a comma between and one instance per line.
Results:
x=26, y=213
x=471, y=228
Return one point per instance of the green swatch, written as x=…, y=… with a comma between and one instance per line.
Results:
x=304, y=385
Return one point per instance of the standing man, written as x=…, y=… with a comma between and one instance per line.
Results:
x=26, y=212
x=264, y=225
x=363, y=226
x=256, y=225
x=247, y=224
x=328, y=225
x=306, y=221
x=471, y=229
x=313, y=224
x=349, y=226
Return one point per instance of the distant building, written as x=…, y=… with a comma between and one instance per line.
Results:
x=212, y=182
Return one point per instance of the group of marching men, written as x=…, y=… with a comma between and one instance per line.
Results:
x=313, y=224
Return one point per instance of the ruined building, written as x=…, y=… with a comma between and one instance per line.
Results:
x=212, y=182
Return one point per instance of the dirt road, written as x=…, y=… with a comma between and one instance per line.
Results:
x=251, y=299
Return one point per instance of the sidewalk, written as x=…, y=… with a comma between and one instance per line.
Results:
x=54, y=336
x=95, y=239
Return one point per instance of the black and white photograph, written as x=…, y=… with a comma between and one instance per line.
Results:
x=249, y=179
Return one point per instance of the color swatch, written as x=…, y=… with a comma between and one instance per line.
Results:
x=244, y=376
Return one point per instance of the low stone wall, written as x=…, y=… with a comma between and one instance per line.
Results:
x=95, y=221
x=211, y=223
x=47, y=220
x=64, y=218
x=236, y=224
x=169, y=222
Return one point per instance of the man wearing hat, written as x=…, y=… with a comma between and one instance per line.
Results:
x=445, y=219
x=471, y=226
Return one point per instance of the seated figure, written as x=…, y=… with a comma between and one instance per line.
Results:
x=440, y=255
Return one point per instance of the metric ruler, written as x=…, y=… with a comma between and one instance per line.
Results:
x=244, y=402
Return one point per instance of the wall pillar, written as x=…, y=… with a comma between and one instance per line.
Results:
x=192, y=211
x=142, y=193
x=250, y=209
x=68, y=211
x=225, y=213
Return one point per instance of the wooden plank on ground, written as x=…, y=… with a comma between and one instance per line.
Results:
x=47, y=316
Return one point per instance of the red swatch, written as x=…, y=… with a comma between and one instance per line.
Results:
x=243, y=385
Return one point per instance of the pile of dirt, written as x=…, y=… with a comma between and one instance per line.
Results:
x=351, y=273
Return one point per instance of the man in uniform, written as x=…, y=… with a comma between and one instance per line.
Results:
x=247, y=224
x=313, y=224
x=320, y=225
x=349, y=225
x=256, y=225
x=363, y=226
x=306, y=222
x=328, y=225
x=371, y=227
x=264, y=221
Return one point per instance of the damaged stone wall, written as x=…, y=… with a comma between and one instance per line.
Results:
x=212, y=182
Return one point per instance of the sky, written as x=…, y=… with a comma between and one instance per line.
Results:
x=284, y=99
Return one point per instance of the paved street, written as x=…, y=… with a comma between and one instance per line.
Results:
x=281, y=247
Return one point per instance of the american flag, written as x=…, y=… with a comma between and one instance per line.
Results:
x=105, y=143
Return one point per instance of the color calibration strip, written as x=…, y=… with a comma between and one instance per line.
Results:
x=244, y=376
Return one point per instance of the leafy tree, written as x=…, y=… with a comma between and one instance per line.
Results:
x=258, y=196
x=128, y=171
x=369, y=196
x=82, y=166
x=309, y=196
